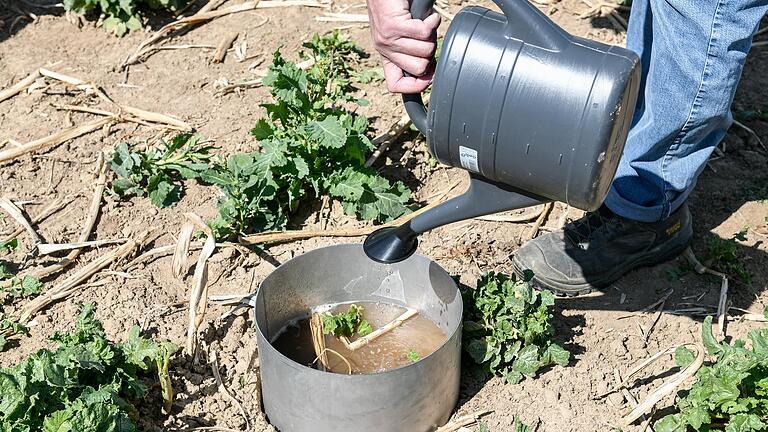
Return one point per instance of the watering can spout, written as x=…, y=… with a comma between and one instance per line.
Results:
x=395, y=244
x=501, y=129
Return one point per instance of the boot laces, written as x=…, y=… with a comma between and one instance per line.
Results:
x=593, y=226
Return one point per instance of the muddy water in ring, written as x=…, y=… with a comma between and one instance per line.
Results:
x=417, y=334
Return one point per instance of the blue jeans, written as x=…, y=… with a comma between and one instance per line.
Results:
x=692, y=54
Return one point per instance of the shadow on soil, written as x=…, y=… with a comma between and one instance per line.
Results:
x=567, y=330
x=17, y=14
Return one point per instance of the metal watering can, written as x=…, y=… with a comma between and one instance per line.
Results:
x=533, y=113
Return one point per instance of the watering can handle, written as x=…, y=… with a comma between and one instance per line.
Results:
x=414, y=105
x=523, y=18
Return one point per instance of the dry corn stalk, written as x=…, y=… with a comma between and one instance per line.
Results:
x=15, y=212
x=198, y=295
x=93, y=213
x=462, y=421
x=19, y=86
x=668, y=387
x=224, y=44
x=49, y=248
x=395, y=323
x=72, y=283
x=318, y=340
x=181, y=252
x=146, y=47
x=56, y=138
x=56, y=205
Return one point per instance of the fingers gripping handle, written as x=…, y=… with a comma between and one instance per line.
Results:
x=414, y=105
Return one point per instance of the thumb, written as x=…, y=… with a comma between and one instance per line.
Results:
x=432, y=21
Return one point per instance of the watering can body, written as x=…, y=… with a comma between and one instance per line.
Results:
x=532, y=112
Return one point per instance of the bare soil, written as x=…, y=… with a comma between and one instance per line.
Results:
x=600, y=329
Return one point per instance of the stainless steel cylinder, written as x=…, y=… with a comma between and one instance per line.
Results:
x=413, y=398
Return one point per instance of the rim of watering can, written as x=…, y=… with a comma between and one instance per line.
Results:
x=449, y=335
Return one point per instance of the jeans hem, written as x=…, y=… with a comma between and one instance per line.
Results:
x=627, y=209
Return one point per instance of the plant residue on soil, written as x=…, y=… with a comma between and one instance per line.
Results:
x=417, y=336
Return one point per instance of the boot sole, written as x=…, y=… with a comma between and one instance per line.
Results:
x=565, y=290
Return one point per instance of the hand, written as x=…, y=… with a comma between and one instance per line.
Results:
x=405, y=44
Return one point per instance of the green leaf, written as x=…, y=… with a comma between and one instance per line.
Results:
x=57, y=422
x=683, y=356
x=346, y=323
x=164, y=194
x=139, y=351
x=413, y=356
x=9, y=245
x=479, y=351
x=302, y=169
x=557, y=355
x=746, y=423
x=507, y=327
x=349, y=185
x=262, y=130
x=364, y=328
x=328, y=133
x=519, y=426
x=512, y=377
x=670, y=423
x=273, y=155
x=527, y=361
x=216, y=177
x=710, y=343
x=133, y=23
x=30, y=286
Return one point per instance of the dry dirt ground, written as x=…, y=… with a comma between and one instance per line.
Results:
x=730, y=197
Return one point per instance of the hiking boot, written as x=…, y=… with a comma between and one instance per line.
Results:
x=599, y=248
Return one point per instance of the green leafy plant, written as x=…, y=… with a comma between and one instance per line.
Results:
x=508, y=329
x=8, y=328
x=751, y=114
x=723, y=255
x=731, y=393
x=413, y=356
x=371, y=75
x=4, y=272
x=9, y=245
x=519, y=426
x=122, y=15
x=157, y=172
x=310, y=146
x=88, y=384
x=26, y=287
x=29, y=286
x=346, y=323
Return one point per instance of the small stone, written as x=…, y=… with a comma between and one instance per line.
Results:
x=618, y=348
x=616, y=399
x=126, y=231
x=602, y=387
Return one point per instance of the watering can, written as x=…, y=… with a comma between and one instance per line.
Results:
x=533, y=113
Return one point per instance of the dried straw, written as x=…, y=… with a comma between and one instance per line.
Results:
x=395, y=323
